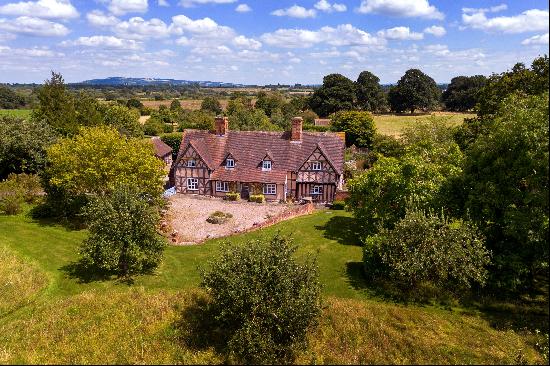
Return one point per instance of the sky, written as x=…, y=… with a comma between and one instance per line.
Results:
x=263, y=42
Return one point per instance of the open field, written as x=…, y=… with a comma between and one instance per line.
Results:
x=393, y=124
x=70, y=316
x=23, y=113
x=192, y=104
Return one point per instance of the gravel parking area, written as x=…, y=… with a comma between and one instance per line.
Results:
x=188, y=216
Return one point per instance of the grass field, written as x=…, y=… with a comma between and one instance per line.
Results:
x=23, y=113
x=393, y=124
x=55, y=313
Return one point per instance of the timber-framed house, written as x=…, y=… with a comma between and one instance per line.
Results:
x=280, y=165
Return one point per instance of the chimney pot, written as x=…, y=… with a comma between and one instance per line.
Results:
x=222, y=125
x=296, y=129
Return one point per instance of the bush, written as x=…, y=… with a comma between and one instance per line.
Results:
x=219, y=217
x=29, y=184
x=338, y=205
x=258, y=198
x=153, y=127
x=123, y=237
x=358, y=126
x=11, y=197
x=263, y=299
x=427, y=248
x=232, y=196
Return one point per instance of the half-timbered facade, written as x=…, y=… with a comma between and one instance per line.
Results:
x=280, y=165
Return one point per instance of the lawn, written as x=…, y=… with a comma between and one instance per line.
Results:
x=55, y=313
x=393, y=124
x=23, y=113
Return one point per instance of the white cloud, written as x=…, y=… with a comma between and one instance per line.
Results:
x=342, y=35
x=181, y=23
x=400, y=33
x=324, y=5
x=139, y=28
x=121, y=7
x=529, y=21
x=60, y=9
x=536, y=40
x=191, y=3
x=248, y=43
x=33, y=27
x=492, y=9
x=436, y=31
x=295, y=11
x=109, y=42
x=443, y=51
x=99, y=19
x=401, y=8
x=243, y=8
x=30, y=52
x=163, y=3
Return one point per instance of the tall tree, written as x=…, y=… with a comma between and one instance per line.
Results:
x=9, y=99
x=370, y=96
x=415, y=90
x=211, y=104
x=358, y=126
x=337, y=93
x=463, y=92
x=56, y=106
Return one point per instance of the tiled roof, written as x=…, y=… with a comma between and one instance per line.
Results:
x=250, y=147
x=161, y=149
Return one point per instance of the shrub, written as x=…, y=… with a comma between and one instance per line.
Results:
x=427, y=248
x=153, y=127
x=29, y=184
x=219, y=217
x=232, y=196
x=263, y=299
x=358, y=126
x=258, y=198
x=338, y=205
x=123, y=237
x=11, y=197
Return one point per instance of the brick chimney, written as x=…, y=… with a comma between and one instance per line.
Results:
x=296, y=129
x=222, y=125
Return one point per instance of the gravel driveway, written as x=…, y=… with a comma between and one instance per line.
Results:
x=188, y=216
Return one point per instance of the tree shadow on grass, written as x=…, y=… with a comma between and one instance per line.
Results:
x=43, y=215
x=342, y=229
x=85, y=274
x=356, y=275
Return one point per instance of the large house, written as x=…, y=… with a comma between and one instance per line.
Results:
x=280, y=165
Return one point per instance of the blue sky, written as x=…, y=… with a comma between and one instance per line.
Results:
x=260, y=42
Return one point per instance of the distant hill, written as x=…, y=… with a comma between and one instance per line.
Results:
x=116, y=81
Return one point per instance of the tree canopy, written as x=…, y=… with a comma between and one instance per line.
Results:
x=9, y=99
x=212, y=105
x=358, y=126
x=337, y=93
x=415, y=90
x=370, y=96
x=463, y=92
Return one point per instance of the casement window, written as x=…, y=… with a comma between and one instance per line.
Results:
x=266, y=165
x=230, y=163
x=191, y=163
x=192, y=184
x=270, y=189
x=222, y=186
x=316, y=165
x=317, y=190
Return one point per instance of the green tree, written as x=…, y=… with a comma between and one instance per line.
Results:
x=98, y=159
x=212, y=105
x=123, y=237
x=198, y=120
x=23, y=145
x=88, y=110
x=263, y=299
x=428, y=248
x=56, y=106
x=270, y=103
x=175, y=106
x=358, y=126
x=134, y=103
x=370, y=96
x=125, y=120
x=9, y=99
x=250, y=120
x=153, y=127
x=506, y=186
x=463, y=92
x=173, y=140
x=337, y=93
x=415, y=90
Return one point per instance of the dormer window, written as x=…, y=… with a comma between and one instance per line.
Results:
x=230, y=163
x=266, y=165
x=316, y=165
x=191, y=163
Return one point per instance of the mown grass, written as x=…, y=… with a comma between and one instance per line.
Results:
x=82, y=318
x=393, y=124
x=23, y=113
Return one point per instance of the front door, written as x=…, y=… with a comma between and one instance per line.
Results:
x=245, y=191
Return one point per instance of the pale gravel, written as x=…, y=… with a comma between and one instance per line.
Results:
x=188, y=214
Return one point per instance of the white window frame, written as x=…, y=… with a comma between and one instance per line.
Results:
x=266, y=165
x=230, y=163
x=316, y=165
x=270, y=188
x=191, y=163
x=316, y=189
x=193, y=182
x=222, y=186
